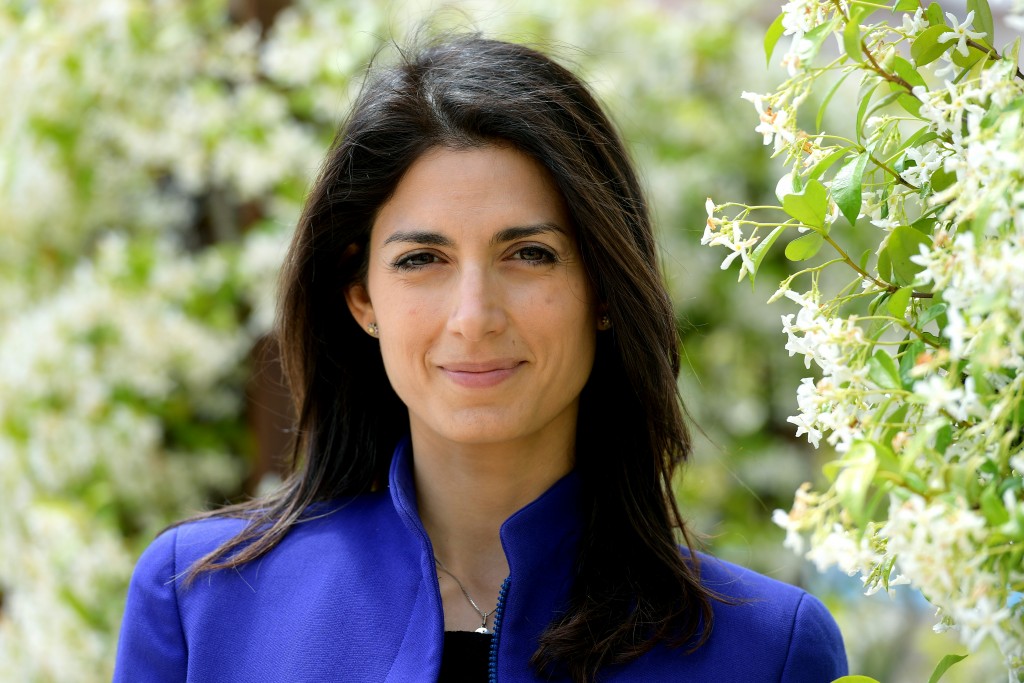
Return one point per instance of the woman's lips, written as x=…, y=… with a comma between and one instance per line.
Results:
x=480, y=375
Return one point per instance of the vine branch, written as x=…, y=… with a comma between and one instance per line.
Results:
x=990, y=53
x=892, y=78
x=881, y=164
x=867, y=276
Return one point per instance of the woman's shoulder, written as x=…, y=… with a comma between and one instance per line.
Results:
x=768, y=629
x=310, y=575
x=739, y=583
x=186, y=542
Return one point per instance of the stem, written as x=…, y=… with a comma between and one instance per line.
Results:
x=920, y=335
x=894, y=174
x=864, y=274
x=892, y=78
x=727, y=205
x=875, y=5
x=757, y=225
x=991, y=53
x=906, y=327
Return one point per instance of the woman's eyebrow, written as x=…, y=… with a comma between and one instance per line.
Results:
x=433, y=239
x=510, y=234
x=519, y=232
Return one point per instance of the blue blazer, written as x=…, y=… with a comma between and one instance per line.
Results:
x=352, y=595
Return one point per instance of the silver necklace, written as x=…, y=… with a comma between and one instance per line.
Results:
x=483, y=614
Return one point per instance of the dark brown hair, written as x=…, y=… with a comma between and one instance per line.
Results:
x=633, y=587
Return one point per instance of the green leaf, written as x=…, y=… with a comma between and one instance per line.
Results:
x=934, y=15
x=915, y=482
x=771, y=38
x=876, y=302
x=920, y=137
x=978, y=67
x=827, y=99
x=905, y=6
x=864, y=258
x=973, y=56
x=910, y=104
x=941, y=179
x=883, y=371
x=864, y=96
x=847, y=186
x=762, y=249
x=924, y=225
x=927, y=48
x=1011, y=52
x=977, y=370
x=816, y=36
x=992, y=507
x=907, y=72
x=899, y=301
x=804, y=247
x=908, y=360
x=827, y=162
x=934, y=312
x=851, y=37
x=852, y=483
x=982, y=19
x=884, y=265
x=889, y=99
x=944, y=665
x=809, y=206
x=855, y=679
x=943, y=437
x=904, y=242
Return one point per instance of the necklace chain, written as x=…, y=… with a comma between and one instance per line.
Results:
x=483, y=615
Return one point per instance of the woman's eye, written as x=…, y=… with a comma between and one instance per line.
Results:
x=535, y=255
x=415, y=261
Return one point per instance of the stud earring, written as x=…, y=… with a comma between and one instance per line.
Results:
x=373, y=330
x=604, y=322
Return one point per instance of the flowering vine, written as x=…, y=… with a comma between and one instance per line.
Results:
x=918, y=352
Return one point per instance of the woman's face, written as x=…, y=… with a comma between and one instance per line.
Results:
x=486, y=321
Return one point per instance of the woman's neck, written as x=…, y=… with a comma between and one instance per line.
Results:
x=464, y=495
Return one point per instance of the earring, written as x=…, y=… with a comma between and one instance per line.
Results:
x=604, y=322
x=373, y=330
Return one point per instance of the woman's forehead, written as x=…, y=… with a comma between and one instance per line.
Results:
x=489, y=189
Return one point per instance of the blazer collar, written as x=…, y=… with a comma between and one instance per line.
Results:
x=529, y=536
x=541, y=543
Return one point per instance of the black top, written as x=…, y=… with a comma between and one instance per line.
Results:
x=465, y=657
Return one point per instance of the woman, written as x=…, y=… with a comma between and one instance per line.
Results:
x=484, y=362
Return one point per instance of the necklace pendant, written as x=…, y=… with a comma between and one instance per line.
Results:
x=482, y=629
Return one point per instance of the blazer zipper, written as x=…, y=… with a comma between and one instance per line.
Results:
x=499, y=610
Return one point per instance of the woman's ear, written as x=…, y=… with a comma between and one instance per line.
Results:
x=358, y=299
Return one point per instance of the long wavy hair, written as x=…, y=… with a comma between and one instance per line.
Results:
x=633, y=588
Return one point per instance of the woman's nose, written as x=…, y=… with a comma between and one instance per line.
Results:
x=478, y=305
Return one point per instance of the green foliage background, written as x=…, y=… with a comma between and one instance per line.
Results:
x=152, y=160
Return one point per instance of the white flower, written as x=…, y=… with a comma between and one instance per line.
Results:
x=839, y=549
x=983, y=619
x=774, y=122
x=801, y=16
x=730, y=236
x=794, y=541
x=940, y=397
x=811, y=405
x=960, y=33
x=927, y=159
x=915, y=23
